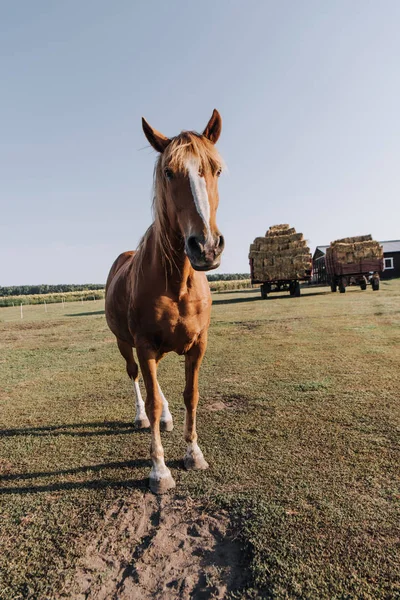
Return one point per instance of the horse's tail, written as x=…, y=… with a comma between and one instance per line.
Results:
x=117, y=264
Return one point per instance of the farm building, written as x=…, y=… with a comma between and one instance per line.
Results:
x=391, y=258
x=319, y=265
x=391, y=254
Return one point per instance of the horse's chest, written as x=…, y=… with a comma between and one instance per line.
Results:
x=182, y=329
x=176, y=326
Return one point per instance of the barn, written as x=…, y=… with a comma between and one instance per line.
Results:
x=319, y=266
x=391, y=254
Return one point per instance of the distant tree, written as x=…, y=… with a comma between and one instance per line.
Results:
x=26, y=290
x=227, y=276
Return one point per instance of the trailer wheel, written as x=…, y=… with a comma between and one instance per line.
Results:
x=363, y=285
x=342, y=286
x=375, y=284
x=333, y=287
x=297, y=290
x=292, y=288
x=265, y=289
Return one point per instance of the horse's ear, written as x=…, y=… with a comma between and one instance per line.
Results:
x=155, y=138
x=214, y=126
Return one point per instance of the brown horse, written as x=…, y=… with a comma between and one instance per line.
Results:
x=157, y=298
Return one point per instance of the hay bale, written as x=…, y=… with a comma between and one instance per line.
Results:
x=282, y=254
x=353, y=250
x=352, y=240
x=275, y=227
x=277, y=230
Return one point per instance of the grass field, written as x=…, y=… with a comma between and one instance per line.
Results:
x=299, y=419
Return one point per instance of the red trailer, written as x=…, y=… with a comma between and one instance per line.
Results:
x=278, y=285
x=362, y=272
x=280, y=260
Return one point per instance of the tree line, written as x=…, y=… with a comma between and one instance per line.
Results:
x=27, y=290
x=227, y=276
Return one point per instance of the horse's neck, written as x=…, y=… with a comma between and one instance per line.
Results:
x=171, y=267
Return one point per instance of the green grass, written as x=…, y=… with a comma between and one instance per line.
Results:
x=305, y=453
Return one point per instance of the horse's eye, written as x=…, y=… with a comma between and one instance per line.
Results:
x=168, y=173
x=218, y=173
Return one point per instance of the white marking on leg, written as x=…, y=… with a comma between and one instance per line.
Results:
x=166, y=416
x=198, y=187
x=160, y=476
x=193, y=450
x=141, y=416
x=159, y=469
x=194, y=458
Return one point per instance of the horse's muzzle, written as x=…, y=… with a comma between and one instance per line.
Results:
x=204, y=255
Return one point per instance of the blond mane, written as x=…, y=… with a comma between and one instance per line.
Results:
x=184, y=146
x=189, y=144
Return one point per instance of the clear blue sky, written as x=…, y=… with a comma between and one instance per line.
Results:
x=309, y=93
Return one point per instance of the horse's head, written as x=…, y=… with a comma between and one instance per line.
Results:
x=186, y=195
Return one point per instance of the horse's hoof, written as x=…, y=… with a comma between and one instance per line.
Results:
x=197, y=463
x=142, y=423
x=166, y=425
x=161, y=486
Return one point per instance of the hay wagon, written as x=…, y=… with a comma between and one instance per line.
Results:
x=354, y=261
x=279, y=261
x=279, y=285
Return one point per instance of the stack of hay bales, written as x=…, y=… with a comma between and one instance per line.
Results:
x=282, y=254
x=360, y=253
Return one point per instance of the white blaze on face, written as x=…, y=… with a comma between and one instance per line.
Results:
x=198, y=187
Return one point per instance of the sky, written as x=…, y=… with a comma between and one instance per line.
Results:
x=309, y=94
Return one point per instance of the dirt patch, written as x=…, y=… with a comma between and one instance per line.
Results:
x=216, y=406
x=39, y=325
x=249, y=325
x=227, y=402
x=160, y=548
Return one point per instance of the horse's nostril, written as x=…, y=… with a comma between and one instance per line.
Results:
x=221, y=243
x=194, y=245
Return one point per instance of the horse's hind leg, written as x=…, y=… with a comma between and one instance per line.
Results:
x=166, y=422
x=141, y=420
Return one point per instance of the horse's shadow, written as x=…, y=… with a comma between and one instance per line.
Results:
x=76, y=429
x=99, y=484
x=86, y=314
x=104, y=428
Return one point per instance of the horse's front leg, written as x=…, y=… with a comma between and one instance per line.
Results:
x=194, y=458
x=160, y=476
